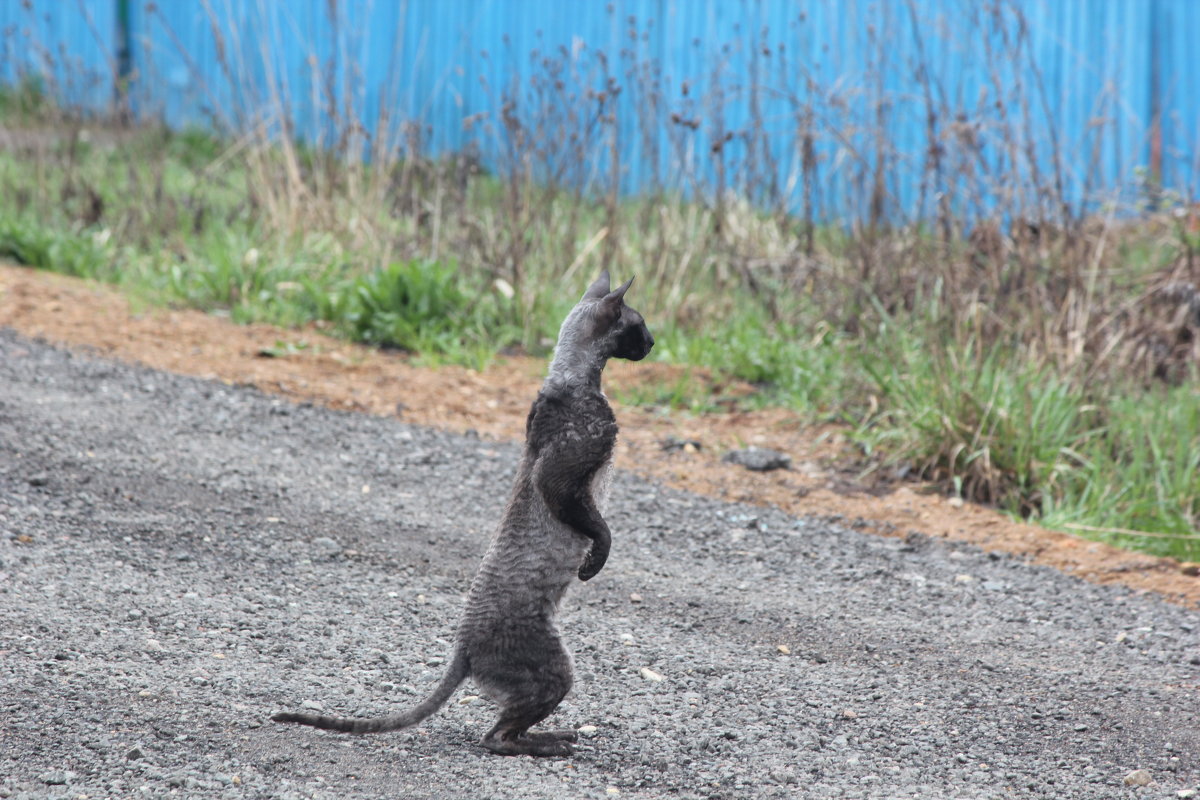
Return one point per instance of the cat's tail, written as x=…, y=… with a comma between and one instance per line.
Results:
x=455, y=674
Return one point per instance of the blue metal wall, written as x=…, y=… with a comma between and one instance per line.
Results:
x=1071, y=87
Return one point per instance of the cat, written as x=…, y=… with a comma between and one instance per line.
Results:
x=552, y=531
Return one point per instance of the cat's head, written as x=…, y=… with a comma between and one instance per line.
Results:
x=615, y=329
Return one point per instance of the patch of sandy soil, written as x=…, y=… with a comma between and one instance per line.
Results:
x=306, y=365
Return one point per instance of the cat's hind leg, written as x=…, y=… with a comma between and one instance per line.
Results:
x=527, y=694
x=511, y=735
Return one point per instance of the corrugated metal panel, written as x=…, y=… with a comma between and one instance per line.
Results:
x=69, y=46
x=1064, y=90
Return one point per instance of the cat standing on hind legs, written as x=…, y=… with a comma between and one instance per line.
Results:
x=552, y=531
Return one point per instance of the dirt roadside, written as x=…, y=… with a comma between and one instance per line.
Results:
x=308, y=366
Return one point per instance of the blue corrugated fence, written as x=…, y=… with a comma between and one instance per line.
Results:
x=887, y=107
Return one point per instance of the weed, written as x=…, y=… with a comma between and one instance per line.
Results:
x=421, y=307
x=34, y=245
x=25, y=102
x=996, y=428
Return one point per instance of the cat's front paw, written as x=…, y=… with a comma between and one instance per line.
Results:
x=589, y=570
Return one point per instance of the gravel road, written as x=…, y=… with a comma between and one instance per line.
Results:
x=180, y=558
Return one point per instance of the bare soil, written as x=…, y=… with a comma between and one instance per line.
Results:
x=309, y=366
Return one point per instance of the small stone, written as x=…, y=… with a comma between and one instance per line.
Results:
x=1186, y=794
x=612, y=790
x=650, y=674
x=133, y=614
x=41, y=479
x=758, y=459
x=783, y=648
x=312, y=705
x=785, y=776
x=1191, y=569
x=153, y=646
x=848, y=714
x=57, y=777
x=326, y=547
x=634, y=597
x=587, y=730
x=467, y=699
x=955, y=502
x=1139, y=777
x=963, y=578
x=101, y=745
x=135, y=753
x=673, y=444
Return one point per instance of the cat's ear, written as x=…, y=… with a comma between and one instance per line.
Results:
x=621, y=290
x=610, y=305
x=599, y=288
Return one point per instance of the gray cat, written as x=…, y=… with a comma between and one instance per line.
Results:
x=508, y=642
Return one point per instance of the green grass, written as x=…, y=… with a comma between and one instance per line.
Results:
x=422, y=307
x=1142, y=472
x=995, y=427
x=789, y=366
x=183, y=219
x=1001, y=428
x=25, y=101
x=989, y=423
x=27, y=241
x=200, y=246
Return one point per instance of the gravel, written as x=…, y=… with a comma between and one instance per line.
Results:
x=181, y=558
